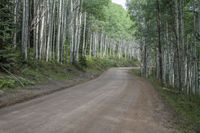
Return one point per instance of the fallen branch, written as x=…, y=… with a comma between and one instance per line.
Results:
x=170, y=90
x=13, y=76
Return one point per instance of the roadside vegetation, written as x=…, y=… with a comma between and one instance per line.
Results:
x=186, y=107
x=39, y=72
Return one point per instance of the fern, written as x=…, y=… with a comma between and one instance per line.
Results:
x=7, y=82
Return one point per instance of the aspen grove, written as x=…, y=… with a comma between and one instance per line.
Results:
x=169, y=36
x=64, y=30
x=163, y=35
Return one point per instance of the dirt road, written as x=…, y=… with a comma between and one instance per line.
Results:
x=116, y=102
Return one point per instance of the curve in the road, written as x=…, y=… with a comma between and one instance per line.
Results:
x=116, y=102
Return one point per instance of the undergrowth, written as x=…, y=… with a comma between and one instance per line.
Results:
x=36, y=72
x=187, y=107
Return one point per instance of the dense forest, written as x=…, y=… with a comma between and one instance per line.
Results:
x=169, y=36
x=163, y=35
x=65, y=30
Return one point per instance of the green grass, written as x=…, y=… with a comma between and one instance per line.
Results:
x=187, y=107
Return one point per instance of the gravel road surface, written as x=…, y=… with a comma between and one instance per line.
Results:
x=116, y=102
